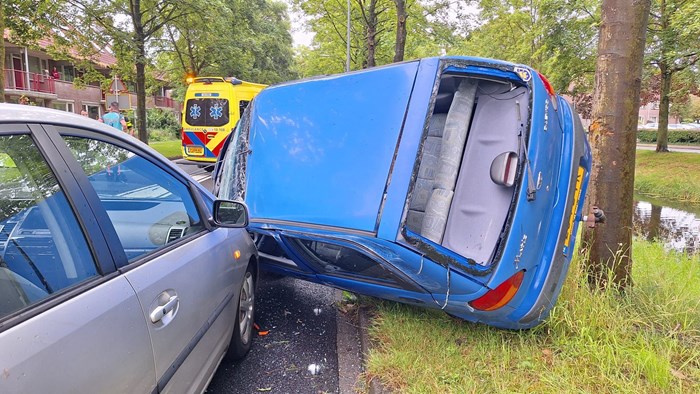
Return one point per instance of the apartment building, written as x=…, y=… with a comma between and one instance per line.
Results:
x=649, y=114
x=31, y=74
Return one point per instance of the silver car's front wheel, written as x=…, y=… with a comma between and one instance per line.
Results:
x=243, y=328
x=246, y=306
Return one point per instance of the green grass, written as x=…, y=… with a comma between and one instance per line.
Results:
x=171, y=149
x=670, y=176
x=647, y=341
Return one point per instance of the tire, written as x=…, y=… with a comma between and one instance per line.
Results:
x=242, y=336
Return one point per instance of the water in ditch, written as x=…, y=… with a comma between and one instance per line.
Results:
x=674, y=224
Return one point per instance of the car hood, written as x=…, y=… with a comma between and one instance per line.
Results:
x=344, y=157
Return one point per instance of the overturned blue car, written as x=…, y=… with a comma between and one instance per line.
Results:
x=453, y=183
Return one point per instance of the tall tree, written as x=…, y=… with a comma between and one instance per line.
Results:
x=613, y=137
x=672, y=50
x=558, y=38
x=26, y=21
x=141, y=21
x=246, y=39
x=430, y=33
x=401, y=20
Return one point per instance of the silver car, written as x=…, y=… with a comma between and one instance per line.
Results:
x=118, y=272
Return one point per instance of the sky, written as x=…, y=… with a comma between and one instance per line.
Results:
x=300, y=33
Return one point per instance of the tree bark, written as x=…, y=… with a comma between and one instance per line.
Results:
x=666, y=75
x=401, y=17
x=613, y=132
x=140, y=42
x=2, y=52
x=371, y=33
x=662, y=130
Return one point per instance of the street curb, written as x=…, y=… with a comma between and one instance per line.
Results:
x=353, y=345
x=348, y=349
x=375, y=387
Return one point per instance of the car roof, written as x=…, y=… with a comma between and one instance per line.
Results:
x=16, y=113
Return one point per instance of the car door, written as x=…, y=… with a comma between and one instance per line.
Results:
x=183, y=271
x=69, y=322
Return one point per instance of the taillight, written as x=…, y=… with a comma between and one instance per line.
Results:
x=499, y=296
x=550, y=90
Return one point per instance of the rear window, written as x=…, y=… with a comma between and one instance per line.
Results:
x=207, y=112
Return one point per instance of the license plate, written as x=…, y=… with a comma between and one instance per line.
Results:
x=194, y=150
x=577, y=197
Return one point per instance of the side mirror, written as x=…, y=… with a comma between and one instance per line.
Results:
x=232, y=214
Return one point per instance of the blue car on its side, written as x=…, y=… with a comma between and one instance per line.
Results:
x=454, y=183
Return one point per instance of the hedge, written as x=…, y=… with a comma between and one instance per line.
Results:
x=674, y=136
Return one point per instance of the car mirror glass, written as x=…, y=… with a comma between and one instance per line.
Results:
x=230, y=213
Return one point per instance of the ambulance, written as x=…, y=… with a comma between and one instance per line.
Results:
x=212, y=107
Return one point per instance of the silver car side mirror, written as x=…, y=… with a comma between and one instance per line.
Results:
x=232, y=214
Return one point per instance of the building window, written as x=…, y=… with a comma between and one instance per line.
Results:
x=63, y=106
x=68, y=73
x=92, y=110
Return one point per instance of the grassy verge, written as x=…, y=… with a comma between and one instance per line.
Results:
x=171, y=149
x=669, y=176
x=647, y=341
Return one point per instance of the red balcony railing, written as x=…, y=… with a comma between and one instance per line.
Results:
x=162, y=101
x=17, y=80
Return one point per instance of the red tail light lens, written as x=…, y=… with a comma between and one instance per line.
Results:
x=499, y=296
x=547, y=85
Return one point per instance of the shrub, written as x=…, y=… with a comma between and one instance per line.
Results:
x=674, y=136
x=165, y=120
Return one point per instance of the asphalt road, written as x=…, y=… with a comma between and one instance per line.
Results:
x=299, y=353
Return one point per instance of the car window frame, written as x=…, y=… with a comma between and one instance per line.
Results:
x=57, y=134
x=104, y=264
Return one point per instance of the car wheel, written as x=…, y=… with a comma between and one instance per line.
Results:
x=242, y=336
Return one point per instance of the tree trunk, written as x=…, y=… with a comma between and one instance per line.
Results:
x=666, y=74
x=371, y=33
x=140, y=41
x=401, y=17
x=2, y=52
x=662, y=130
x=613, y=138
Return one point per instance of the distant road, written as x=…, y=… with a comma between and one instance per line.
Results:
x=672, y=148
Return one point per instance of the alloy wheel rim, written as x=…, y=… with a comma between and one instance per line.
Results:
x=245, y=308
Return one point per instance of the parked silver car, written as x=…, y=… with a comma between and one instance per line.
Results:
x=118, y=272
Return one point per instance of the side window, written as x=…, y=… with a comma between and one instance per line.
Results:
x=242, y=105
x=341, y=260
x=42, y=247
x=149, y=208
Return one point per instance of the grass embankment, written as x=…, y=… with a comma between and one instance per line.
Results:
x=669, y=176
x=172, y=149
x=647, y=341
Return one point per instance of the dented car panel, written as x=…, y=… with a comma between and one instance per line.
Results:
x=455, y=183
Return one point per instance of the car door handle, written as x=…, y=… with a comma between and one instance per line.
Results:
x=163, y=310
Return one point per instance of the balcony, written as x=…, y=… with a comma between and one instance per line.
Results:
x=17, y=81
x=165, y=102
